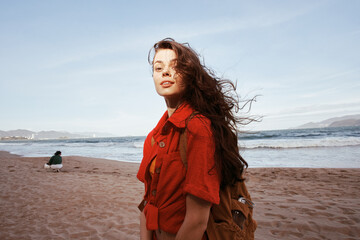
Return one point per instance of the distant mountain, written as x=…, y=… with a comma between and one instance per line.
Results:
x=344, y=121
x=55, y=134
x=3, y=133
x=20, y=133
x=26, y=134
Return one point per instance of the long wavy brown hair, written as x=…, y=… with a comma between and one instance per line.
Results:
x=216, y=99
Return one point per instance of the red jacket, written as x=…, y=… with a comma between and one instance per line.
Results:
x=165, y=191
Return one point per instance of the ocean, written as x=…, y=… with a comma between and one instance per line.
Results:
x=315, y=148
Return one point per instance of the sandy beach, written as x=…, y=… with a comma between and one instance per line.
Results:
x=97, y=199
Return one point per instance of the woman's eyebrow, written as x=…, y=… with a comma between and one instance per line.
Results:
x=159, y=61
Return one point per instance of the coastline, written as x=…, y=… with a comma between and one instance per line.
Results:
x=95, y=198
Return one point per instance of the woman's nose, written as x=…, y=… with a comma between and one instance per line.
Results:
x=166, y=72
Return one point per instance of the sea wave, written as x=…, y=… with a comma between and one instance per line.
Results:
x=300, y=143
x=315, y=133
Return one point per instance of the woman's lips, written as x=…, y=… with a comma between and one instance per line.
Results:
x=166, y=83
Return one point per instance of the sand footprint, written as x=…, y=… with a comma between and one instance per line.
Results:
x=282, y=206
x=347, y=211
x=320, y=207
x=10, y=168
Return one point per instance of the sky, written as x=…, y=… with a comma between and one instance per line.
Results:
x=81, y=66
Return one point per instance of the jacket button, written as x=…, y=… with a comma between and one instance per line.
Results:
x=161, y=144
x=153, y=192
x=157, y=170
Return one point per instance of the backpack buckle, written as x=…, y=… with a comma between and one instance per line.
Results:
x=246, y=201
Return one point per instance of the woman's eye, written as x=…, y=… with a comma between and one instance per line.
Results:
x=157, y=67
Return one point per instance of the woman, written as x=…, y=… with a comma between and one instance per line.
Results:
x=178, y=198
x=55, y=162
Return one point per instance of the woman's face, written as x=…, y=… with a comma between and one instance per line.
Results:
x=167, y=83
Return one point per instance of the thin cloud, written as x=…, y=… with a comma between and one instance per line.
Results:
x=225, y=24
x=186, y=31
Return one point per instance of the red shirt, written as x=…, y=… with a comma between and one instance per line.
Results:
x=165, y=191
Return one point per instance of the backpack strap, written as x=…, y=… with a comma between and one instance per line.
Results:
x=183, y=140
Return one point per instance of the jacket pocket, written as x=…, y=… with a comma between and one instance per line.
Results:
x=172, y=173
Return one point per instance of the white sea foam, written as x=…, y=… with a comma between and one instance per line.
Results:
x=138, y=144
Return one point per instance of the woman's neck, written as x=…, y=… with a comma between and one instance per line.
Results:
x=172, y=106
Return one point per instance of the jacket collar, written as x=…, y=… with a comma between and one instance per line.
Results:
x=178, y=118
x=181, y=114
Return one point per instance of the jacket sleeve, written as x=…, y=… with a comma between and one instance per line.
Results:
x=202, y=178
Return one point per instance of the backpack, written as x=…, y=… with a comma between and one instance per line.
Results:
x=232, y=218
